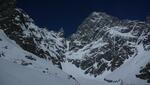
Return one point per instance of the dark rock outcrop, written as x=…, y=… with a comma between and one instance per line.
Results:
x=119, y=39
x=145, y=73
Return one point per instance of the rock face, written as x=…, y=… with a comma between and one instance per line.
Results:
x=145, y=73
x=20, y=27
x=104, y=42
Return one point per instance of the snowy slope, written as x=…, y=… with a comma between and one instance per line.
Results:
x=104, y=51
x=27, y=66
x=127, y=71
x=14, y=74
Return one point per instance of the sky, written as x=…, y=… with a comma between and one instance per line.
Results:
x=69, y=14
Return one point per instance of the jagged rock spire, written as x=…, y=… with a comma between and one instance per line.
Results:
x=61, y=32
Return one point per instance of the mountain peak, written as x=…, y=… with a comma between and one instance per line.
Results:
x=98, y=13
x=103, y=45
x=61, y=32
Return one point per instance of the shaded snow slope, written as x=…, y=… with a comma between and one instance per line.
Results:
x=28, y=69
x=14, y=74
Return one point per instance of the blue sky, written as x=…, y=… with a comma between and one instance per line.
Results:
x=69, y=14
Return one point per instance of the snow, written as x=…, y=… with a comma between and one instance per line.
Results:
x=46, y=40
x=125, y=74
x=129, y=69
x=85, y=50
x=68, y=46
x=95, y=13
x=72, y=69
x=14, y=74
x=115, y=31
x=77, y=42
x=15, y=66
x=43, y=72
x=86, y=81
x=80, y=76
x=19, y=67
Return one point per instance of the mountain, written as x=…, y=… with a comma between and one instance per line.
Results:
x=18, y=64
x=20, y=27
x=106, y=42
x=29, y=54
x=104, y=50
x=103, y=44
